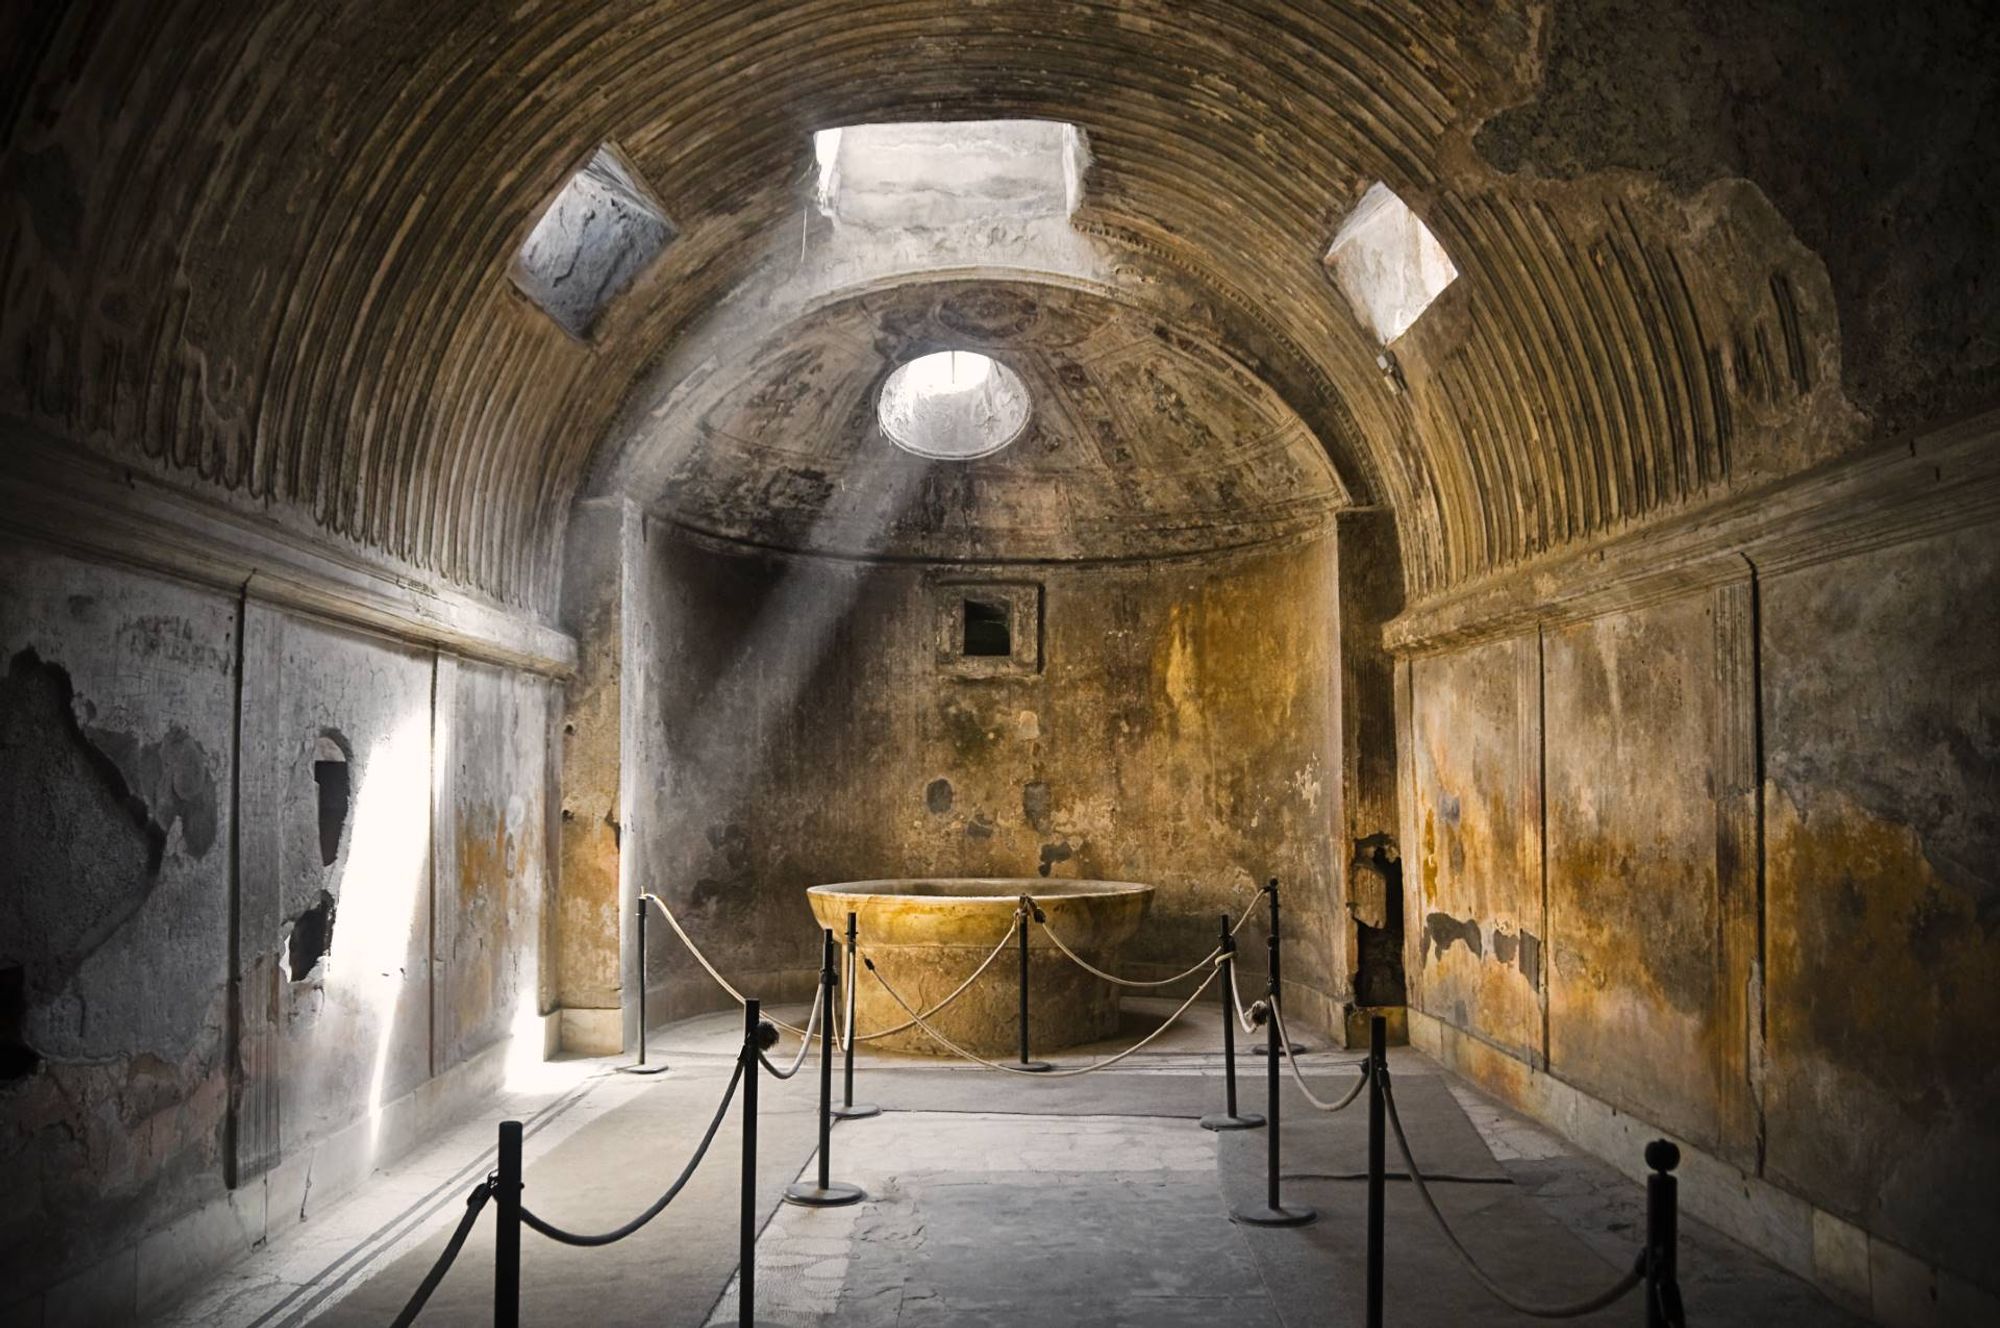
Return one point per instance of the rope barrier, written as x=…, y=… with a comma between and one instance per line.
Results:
x=1245, y=1019
x=659, y=1205
x=975, y=1057
x=794, y=1029
x=1207, y=960
x=998, y=950
x=1572, y=1310
x=1285, y=1042
x=475, y=1203
x=805, y=1042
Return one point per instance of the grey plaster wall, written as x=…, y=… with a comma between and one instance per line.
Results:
x=799, y=727
x=116, y=732
x=162, y=806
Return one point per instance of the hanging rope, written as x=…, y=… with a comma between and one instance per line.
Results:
x=976, y=1058
x=659, y=1205
x=1084, y=964
x=1246, y=1019
x=1285, y=1042
x=805, y=1042
x=1540, y=1311
x=794, y=1029
x=999, y=949
x=475, y=1202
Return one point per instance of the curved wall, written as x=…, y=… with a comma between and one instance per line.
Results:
x=799, y=723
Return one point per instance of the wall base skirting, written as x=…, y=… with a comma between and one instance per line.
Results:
x=592, y=1031
x=1858, y=1269
x=144, y=1277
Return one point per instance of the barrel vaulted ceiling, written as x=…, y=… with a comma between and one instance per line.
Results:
x=265, y=248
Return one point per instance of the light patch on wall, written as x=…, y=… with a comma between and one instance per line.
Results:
x=602, y=229
x=1388, y=264
x=937, y=173
x=382, y=888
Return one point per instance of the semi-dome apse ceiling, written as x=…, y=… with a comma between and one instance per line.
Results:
x=1137, y=443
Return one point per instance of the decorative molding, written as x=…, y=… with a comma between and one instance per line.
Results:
x=73, y=500
x=1943, y=481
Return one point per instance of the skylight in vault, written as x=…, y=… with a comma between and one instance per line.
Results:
x=936, y=173
x=1388, y=264
x=601, y=231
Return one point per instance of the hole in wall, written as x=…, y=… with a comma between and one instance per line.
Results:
x=311, y=939
x=18, y=1060
x=988, y=629
x=336, y=794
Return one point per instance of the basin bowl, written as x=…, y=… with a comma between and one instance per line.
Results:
x=927, y=935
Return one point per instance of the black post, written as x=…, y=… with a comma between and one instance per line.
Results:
x=828, y=1193
x=507, y=1229
x=1273, y=1213
x=1027, y=907
x=1663, y=1290
x=1230, y=1119
x=640, y=1066
x=1270, y=1044
x=1377, y=1070
x=848, y=1109
x=757, y=1036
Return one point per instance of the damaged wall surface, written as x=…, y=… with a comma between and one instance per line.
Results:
x=177, y=767
x=809, y=721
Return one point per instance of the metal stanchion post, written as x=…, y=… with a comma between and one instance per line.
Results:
x=507, y=1229
x=1027, y=908
x=640, y=1066
x=1273, y=1213
x=758, y=1036
x=1663, y=1290
x=1264, y=1048
x=828, y=1193
x=1378, y=1085
x=848, y=1108
x=1230, y=1119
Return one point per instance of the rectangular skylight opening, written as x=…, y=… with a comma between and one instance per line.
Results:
x=936, y=173
x=602, y=230
x=1388, y=264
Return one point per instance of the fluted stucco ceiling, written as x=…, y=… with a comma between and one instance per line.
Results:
x=266, y=247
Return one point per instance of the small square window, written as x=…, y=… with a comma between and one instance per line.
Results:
x=988, y=629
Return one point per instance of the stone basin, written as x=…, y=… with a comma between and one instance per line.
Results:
x=927, y=934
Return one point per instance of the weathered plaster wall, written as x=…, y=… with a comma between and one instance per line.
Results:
x=798, y=728
x=165, y=779
x=1799, y=984
x=1881, y=690
x=116, y=732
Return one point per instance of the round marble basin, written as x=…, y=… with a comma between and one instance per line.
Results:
x=927, y=934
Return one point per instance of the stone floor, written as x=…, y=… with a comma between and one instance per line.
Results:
x=993, y=1200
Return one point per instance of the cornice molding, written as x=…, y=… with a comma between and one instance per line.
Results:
x=68, y=498
x=1942, y=481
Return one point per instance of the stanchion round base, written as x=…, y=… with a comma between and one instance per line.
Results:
x=1295, y=1216
x=858, y=1111
x=1033, y=1067
x=1298, y=1048
x=1248, y=1120
x=807, y=1195
x=642, y=1069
